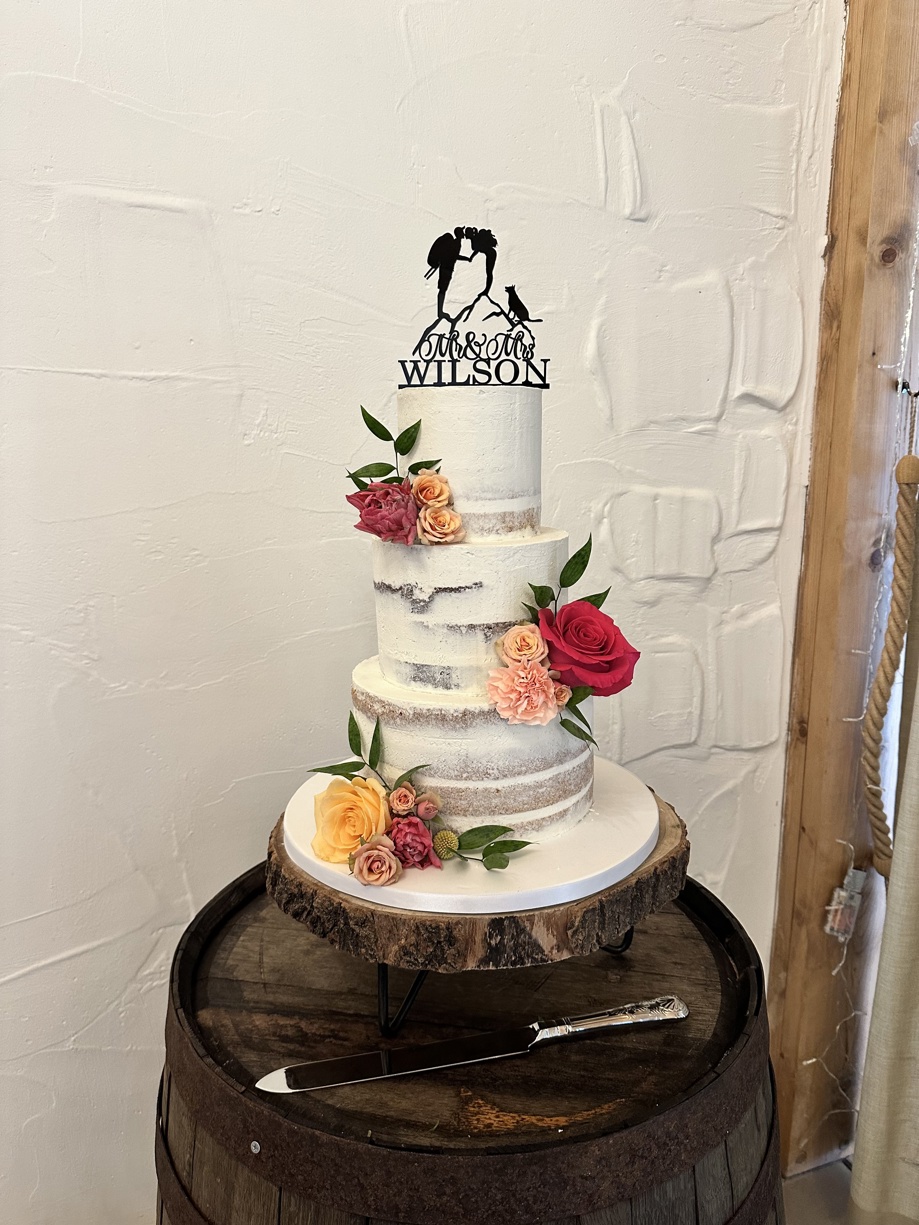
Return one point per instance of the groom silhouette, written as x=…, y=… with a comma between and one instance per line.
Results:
x=442, y=257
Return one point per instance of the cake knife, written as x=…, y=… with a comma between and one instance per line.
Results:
x=500, y=1044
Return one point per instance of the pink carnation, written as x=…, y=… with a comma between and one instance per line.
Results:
x=413, y=843
x=523, y=693
x=386, y=511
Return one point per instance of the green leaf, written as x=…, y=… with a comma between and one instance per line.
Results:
x=376, y=746
x=377, y=428
x=578, y=714
x=481, y=836
x=348, y=768
x=407, y=439
x=492, y=862
x=542, y=595
x=505, y=847
x=392, y=480
x=534, y=613
x=416, y=467
x=578, y=694
x=374, y=470
x=403, y=778
x=575, y=566
x=598, y=600
x=578, y=732
x=354, y=736
x=358, y=482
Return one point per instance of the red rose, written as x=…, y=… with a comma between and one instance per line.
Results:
x=586, y=647
x=413, y=843
x=387, y=511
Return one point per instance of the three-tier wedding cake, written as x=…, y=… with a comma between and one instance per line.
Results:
x=470, y=731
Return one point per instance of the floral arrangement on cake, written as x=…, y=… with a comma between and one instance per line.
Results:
x=379, y=830
x=561, y=656
x=415, y=508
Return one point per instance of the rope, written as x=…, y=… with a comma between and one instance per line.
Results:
x=907, y=476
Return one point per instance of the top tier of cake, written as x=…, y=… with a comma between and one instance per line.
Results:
x=490, y=442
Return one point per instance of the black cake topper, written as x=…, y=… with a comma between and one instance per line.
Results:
x=461, y=346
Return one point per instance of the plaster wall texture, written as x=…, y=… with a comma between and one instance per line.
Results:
x=217, y=217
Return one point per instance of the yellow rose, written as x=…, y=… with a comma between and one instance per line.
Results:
x=429, y=488
x=346, y=812
x=440, y=525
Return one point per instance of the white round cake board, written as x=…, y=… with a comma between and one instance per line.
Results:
x=619, y=832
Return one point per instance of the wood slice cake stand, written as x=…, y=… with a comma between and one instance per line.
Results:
x=448, y=943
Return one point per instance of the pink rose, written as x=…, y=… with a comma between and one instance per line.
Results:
x=413, y=843
x=427, y=806
x=586, y=647
x=523, y=693
x=402, y=800
x=375, y=863
x=386, y=511
x=520, y=643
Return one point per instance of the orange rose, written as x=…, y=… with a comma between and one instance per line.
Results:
x=347, y=812
x=440, y=525
x=429, y=488
x=562, y=694
x=523, y=642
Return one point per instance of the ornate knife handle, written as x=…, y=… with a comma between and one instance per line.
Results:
x=664, y=1008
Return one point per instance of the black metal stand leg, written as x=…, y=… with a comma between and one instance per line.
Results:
x=623, y=945
x=390, y=1027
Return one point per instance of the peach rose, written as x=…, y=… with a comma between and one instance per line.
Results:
x=562, y=695
x=429, y=488
x=375, y=863
x=347, y=812
x=402, y=800
x=440, y=525
x=523, y=693
x=521, y=643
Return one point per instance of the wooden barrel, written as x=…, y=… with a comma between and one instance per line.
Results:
x=668, y=1125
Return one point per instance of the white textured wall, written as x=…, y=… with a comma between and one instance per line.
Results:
x=217, y=216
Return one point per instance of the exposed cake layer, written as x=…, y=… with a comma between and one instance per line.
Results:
x=441, y=608
x=490, y=442
x=537, y=780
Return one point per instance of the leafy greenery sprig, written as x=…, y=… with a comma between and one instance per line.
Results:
x=350, y=769
x=494, y=849
x=572, y=572
x=544, y=596
x=389, y=474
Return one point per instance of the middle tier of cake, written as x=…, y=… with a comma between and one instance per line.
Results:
x=536, y=780
x=441, y=609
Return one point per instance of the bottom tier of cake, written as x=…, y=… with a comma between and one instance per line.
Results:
x=538, y=781
x=616, y=836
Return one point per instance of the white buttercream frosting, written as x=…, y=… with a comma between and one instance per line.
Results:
x=490, y=442
x=440, y=609
x=536, y=780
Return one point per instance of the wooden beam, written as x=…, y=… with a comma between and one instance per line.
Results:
x=818, y=1005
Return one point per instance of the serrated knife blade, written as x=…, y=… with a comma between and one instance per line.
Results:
x=455, y=1052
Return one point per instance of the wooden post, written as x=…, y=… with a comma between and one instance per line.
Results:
x=818, y=1008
